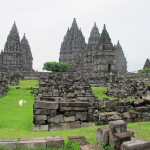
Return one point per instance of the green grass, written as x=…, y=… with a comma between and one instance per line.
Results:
x=99, y=92
x=17, y=121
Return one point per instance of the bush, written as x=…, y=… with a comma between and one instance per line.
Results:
x=56, y=67
x=146, y=70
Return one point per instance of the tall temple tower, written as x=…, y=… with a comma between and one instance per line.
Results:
x=120, y=60
x=16, y=55
x=72, y=47
x=26, y=53
x=147, y=64
x=96, y=59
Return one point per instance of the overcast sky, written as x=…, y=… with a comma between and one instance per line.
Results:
x=45, y=23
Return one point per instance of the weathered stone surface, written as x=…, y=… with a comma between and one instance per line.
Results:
x=40, y=117
x=82, y=116
x=63, y=109
x=69, y=119
x=59, y=126
x=142, y=109
x=8, y=143
x=87, y=124
x=139, y=103
x=54, y=141
x=102, y=135
x=126, y=115
x=31, y=144
x=76, y=124
x=80, y=139
x=91, y=147
x=16, y=55
x=40, y=128
x=45, y=104
x=73, y=104
x=56, y=119
x=120, y=138
x=70, y=113
x=136, y=145
x=118, y=126
x=41, y=112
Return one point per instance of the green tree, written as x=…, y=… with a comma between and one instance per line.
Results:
x=146, y=70
x=56, y=66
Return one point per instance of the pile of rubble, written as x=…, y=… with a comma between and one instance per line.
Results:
x=63, y=102
x=3, y=84
x=117, y=136
x=123, y=88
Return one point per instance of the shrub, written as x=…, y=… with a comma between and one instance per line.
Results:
x=56, y=67
x=146, y=70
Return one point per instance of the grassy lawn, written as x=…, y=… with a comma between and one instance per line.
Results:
x=16, y=121
x=99, y=92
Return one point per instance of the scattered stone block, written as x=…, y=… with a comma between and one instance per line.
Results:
x=118, y=126
x=102, y=135
x=8, y=143
x=31, y=144
x=136, y=144
x=74, y=104
x=126, y=115
x=80, y=139
x=91, y=147
x=142, y=109
x=54, y=141
x=139, y=103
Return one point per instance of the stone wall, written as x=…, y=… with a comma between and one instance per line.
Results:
x=64, y=101
x=122, y=87
x=3, y=84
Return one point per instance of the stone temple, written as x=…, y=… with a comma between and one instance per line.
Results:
x=17, y=54
x=98, y=56
x=147, y=64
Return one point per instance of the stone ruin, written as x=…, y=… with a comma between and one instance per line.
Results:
x=122, y=88
x=147, y=64
x=117, y=136
x=63, y=102
x=3, y=84
x=97, y=58
x=17, y=54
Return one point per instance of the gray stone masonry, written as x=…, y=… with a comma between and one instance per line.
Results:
x=32, y=142
x=96, y=59
x=17, y=55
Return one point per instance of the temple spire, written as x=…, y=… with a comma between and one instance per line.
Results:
x=74, y=23
x=147, y=64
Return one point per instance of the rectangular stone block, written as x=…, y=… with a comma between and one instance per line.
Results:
x=102, y=135
x=118, y=126
x=87, y=124
x=40, y=117
x=56, y=119
x=41, y=112
x=8, y=143
x=59, y=126
x=81, y=116
x=91, y=147
x=69, y=119
x=142, y=109
x=76, y=124
x=69, y=113
x=45, y=105
x=63, y=109
x=40, y=128
x=32, y=139
x=73, y=104
x=136, y=144
x=80, y=139
x=31, y=144
x=54, y=141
